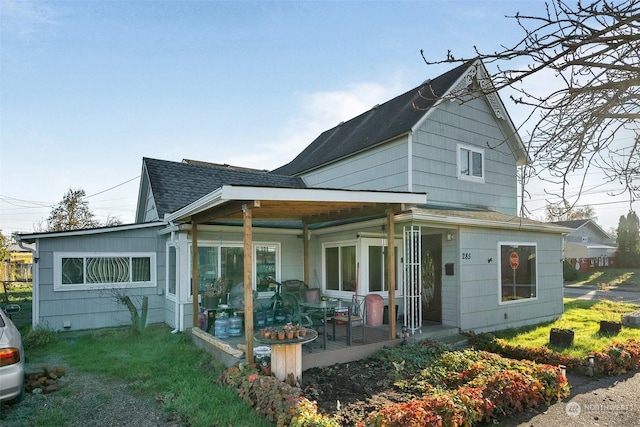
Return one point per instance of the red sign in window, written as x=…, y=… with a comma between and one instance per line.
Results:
x=514, y=260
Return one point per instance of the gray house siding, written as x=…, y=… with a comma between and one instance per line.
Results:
x=97, y=308
x=380, y=168
x=481, y=309
x=435, y=159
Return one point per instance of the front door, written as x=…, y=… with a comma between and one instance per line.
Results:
x=432, y=278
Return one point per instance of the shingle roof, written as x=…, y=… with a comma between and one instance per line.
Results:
x=381, y=123
x=576, y=223
x=175, y=184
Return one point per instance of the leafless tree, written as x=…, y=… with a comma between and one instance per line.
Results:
x=562, y=212
x=575, y=127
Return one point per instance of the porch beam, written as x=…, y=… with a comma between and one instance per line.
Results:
x=247, y=219
x=391, y=272
x=231, y=209
x=194, y=271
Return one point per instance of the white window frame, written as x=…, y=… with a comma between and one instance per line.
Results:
x=176, y=279
x=57, y=271
x=235, y=244
x=470, y=150
x=364, y=269
x=339, y=244
x=499, y=266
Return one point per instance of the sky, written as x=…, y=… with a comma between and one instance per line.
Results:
x=89, y=88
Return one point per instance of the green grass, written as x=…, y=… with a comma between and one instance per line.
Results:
x=583, y=317
x=605, y=277
x=159, y=364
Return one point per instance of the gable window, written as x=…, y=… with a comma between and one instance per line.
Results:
x=340, y=267
x=79, y=271
x=518, y=271
x=470, y=163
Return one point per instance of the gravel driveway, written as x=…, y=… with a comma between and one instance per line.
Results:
x=86, y=400
x=610, y=401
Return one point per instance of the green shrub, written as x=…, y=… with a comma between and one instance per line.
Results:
x=569, y=272
x=279, y=402
x=39, y=337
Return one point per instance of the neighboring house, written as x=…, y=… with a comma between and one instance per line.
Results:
x=588, y=245
x=418, y=186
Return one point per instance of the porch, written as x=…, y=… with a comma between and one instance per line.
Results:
x=231, y=350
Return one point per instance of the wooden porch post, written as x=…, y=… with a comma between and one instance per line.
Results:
x=305, y=254
x=248, y=277
x=391, y=273
x=194, y=271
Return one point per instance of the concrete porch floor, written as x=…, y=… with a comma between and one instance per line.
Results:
x=314, y=355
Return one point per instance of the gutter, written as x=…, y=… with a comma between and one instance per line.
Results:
x=35, y=278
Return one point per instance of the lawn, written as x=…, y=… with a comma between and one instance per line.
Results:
x=608, y=277
x=158, y=364
x=581, y=316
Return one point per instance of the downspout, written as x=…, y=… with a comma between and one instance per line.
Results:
x=35, y=279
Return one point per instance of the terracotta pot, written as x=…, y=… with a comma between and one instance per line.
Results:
x=303, y=332
x=290, y=335
x=280, y=335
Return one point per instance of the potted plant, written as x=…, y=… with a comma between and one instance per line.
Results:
x=561, y=337
x=612, y=310
x=213, y=292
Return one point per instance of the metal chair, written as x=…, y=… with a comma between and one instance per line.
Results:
x=354, y=318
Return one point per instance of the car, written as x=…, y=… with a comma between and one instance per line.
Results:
x=12, y=358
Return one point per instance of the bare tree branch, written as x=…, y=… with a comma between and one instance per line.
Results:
x=594, y=50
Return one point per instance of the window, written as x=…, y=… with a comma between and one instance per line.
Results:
x=228, y=261
x=77, y=271
x=470, y=163
x=266, y=265
x=340, y=267
x=377, y=268
x=172, y=271
x=518, y=271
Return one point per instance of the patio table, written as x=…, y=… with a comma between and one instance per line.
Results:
x=286, y=356
x=323, y=306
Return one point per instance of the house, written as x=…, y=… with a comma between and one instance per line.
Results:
x=588, y=245
x=414, y=200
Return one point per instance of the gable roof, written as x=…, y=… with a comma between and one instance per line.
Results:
x=382, y=123
x=579, y=223
x=177, y=184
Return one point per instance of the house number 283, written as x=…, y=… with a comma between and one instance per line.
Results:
x=466, y=255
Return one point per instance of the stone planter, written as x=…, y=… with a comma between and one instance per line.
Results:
x=561, y=337
x=610, y=327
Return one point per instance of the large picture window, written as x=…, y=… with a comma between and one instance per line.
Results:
x=340, y=267
x=77, y=271
x=518, y=271
x=470, y=163
x=227, y=261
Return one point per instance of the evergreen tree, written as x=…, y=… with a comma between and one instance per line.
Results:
x=629, y=240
